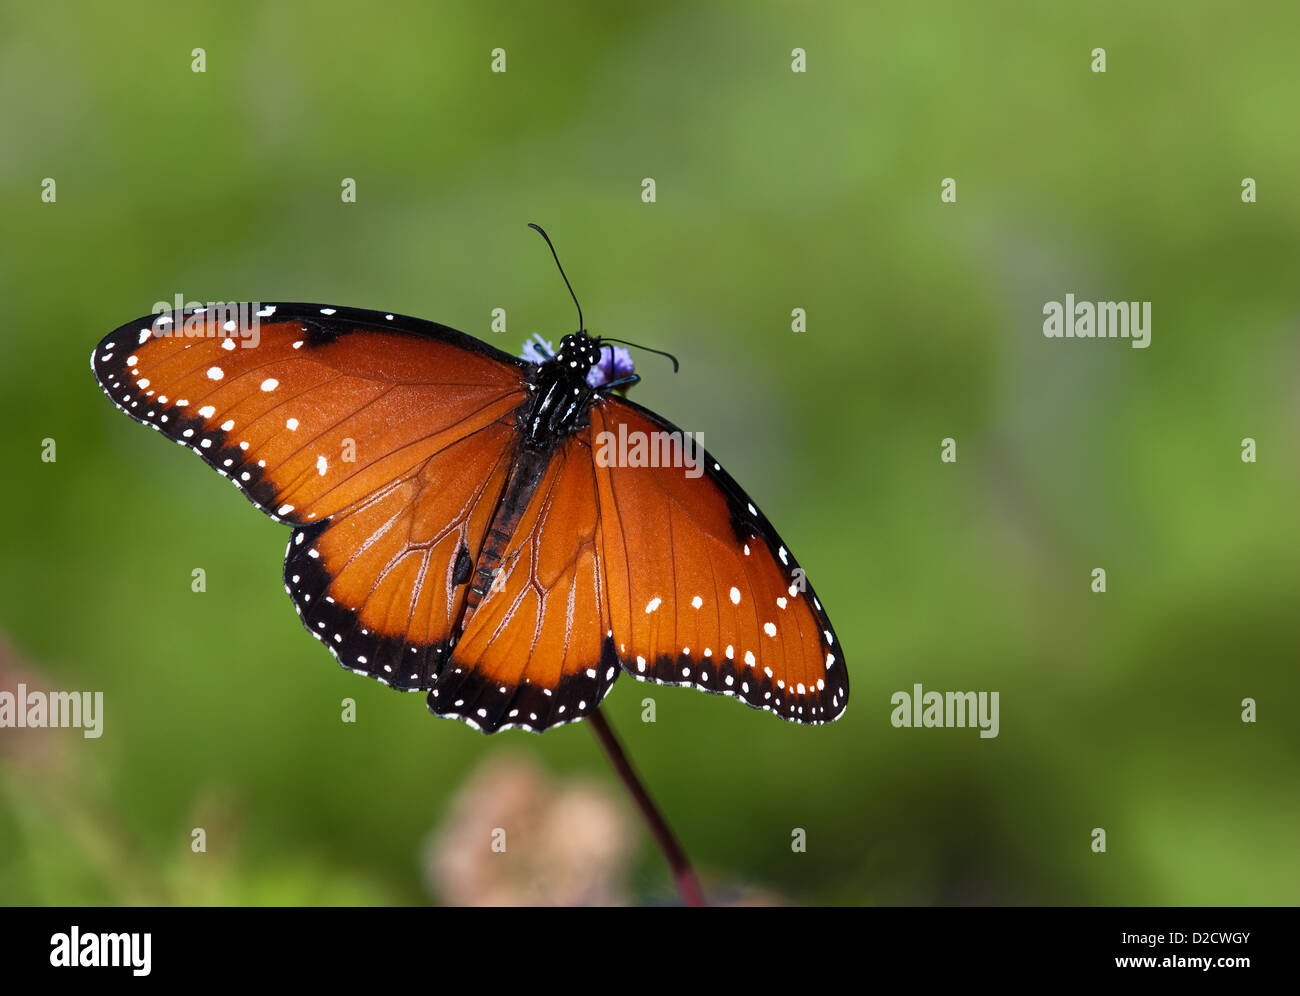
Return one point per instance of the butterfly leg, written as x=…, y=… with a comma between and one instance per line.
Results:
x=622, y=384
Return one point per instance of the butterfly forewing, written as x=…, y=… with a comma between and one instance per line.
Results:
x=321, y=411
x=703, y=592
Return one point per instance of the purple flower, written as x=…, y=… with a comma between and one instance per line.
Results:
x=615, y=364
x=537, y=350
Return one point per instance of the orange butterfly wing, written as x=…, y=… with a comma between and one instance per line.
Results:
x=314, y=417
x=536, y=651
x=702, y=590
x=384, y=583
x=389, y=459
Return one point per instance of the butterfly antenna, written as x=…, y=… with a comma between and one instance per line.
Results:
x=538, y=229
x=637, y=345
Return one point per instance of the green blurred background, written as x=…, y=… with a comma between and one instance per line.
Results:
x=775, y=190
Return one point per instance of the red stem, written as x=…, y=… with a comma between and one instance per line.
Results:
x=687, y=884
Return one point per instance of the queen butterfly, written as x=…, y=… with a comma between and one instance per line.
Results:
x=455, y=529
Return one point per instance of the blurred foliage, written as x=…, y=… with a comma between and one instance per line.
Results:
x=775, y=190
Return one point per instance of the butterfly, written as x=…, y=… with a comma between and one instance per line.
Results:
x=495, y=531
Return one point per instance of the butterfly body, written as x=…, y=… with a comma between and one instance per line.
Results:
x=456, y=530
x=559, y=392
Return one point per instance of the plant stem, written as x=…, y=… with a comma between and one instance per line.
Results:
x=687, y=884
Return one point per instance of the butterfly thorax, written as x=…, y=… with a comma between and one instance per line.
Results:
x=559, y=394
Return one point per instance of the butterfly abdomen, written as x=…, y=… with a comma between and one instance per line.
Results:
x=520, y=488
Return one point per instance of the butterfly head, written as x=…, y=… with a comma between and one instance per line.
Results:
x=587, y=358
x=599, y=365
x=583, y=356
x=578, y=352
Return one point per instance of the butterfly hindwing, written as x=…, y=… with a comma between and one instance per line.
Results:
x=537, y=650
x=383, y=584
